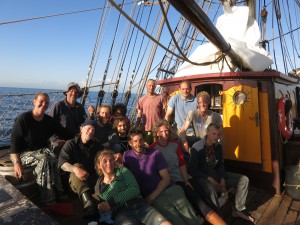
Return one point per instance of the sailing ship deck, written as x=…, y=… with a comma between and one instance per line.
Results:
x=265, y=208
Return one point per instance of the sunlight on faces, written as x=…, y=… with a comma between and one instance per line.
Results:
x=163, y=133
x=203, y=104
x=41, y=103
x=150, y=86
x=185, y=89
x=105, y=114
x=213, y=135
x=137, y=143
x=122, y=128
x=107, y=164
x=87, y=133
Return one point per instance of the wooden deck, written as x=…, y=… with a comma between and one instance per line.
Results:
x=265, y=208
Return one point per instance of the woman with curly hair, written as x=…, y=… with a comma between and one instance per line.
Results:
x=120, y=193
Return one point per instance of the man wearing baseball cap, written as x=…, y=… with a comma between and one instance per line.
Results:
x=77, y=159
x=69, y=113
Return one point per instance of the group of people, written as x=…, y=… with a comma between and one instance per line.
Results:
x=138, y=173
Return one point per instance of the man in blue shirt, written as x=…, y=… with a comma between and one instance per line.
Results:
x=181, y=104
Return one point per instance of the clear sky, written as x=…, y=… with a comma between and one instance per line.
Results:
x=46, y=53
x=51, y=52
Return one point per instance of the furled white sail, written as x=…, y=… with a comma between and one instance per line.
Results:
x=242, y=32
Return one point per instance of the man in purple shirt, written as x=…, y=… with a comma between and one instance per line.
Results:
x=151, y=172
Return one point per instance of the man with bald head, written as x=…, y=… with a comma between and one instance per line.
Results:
x=181, y=104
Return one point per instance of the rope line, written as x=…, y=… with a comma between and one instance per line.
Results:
x=149, y=36
x=58, y=14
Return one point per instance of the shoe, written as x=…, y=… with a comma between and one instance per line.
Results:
x=90, y=211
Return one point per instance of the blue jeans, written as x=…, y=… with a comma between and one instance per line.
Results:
x=139, y=213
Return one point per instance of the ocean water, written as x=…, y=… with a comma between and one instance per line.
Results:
x=14, y=101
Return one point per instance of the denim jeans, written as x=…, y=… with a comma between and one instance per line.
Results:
x=139, y=213
x=239, y=181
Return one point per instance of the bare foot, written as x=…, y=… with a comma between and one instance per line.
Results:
x=243, y=215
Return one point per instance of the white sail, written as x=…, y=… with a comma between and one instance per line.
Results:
x=242, y=33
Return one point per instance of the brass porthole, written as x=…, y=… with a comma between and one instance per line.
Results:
x=239, y=97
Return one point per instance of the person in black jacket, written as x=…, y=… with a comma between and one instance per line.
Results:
x=77, y=157
x=69, y=113
x=118, y=141
x=207, y=167
x=29, y=147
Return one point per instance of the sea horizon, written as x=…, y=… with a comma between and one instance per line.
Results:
x=14, y=101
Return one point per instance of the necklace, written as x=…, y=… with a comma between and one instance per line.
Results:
x=140, y=158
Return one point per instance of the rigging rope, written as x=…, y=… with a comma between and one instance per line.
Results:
x=53, y=15
x=292, y=36
x=138, y=66
x=149, y=36
x=165, y=67
x=101, y=91
x=127, y=95
x=273, y=42
x=88, y=79
x=285, y=51
x=125, y=43
x=99, y=50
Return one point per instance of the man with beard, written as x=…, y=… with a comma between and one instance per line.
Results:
x=118, y=141
x=150, y=169
x=69, y=113
x=77, y=158
x=103, y=128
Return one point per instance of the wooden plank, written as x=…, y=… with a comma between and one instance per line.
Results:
x=268, y=214
x=261, y=207
x=290, y=217
x=297, y=222
x=295, y=205
x=254, y=200
x=282, y=210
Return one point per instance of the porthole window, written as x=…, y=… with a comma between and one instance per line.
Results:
x=239, y=97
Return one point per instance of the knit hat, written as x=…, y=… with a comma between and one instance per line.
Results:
x=89, y=122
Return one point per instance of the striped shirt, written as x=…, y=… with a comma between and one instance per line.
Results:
x=123, y=188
